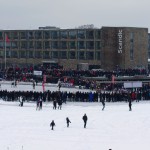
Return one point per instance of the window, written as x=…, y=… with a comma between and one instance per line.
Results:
x=72, y=45
x=1, y=54
x=14, y=35
x=38, y=54
x=63, y=45
x=46, y=54
x=31, y=45
x=97, y=34
x=98, y=56
x=81, y=55
x=38, y=34
x=131, y=54
x=14, y=45
x=64, y=34
x=72, y=34
x=55, y=45
x=46, y=35
x=31, y=54
x=23, y=45
x=148, y=54
x=81, y=45
x=22, y=35
x=1, y=44
x=90, y=44
x=1, y=35
x=8, y=53
x=98, y=45
x=55, y=54
x=14, y=54
x=90, y=55
x=22, y=54
x=63, y=54
x=90, y=34
x=72, y=55
x=131, y=49
x=46, y=45
x=38, y=45
x=81, y=34
x=54, y=34
x=30, y=35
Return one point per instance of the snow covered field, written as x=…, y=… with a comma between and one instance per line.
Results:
x=24, y=128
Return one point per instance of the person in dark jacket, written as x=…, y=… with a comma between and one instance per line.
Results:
x=52, y=124
x=54, y=104
x=85, y=118
x=130, y=102
x=103, y=103
x=68, y=121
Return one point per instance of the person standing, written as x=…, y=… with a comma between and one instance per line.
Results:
x=85, y=118
x=103, y=103
x=54, y=104
x=21, y=101
x=130, y=102
x=40, y=104
x=68, y=121
x=52, y=124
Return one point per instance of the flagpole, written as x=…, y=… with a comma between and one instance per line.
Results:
x=5, y=51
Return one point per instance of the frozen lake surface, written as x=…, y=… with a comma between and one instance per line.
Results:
x=24, y=128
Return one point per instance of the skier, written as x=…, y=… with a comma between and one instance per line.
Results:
x=52, y=124
x=68, y=121
x=85, y=118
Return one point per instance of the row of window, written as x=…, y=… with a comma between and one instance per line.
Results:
x=52, y=55
x=52, y=45
x=40, y=34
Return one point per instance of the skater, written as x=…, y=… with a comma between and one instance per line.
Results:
x=41, y=103
x=37, y=104
x=54, y=104
x=59, y=104
x=103, y=103
x=130, y=102
x=85, y=118
x=33, y=84
x=15, y=83
x=52, y=124
x=59, y=85
x=68, y=121
x=21, y=101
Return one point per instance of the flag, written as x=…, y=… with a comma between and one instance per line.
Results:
x=43, y=86
x=113, y=79
x=7, y=39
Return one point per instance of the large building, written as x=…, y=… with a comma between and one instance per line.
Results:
x=107, y=47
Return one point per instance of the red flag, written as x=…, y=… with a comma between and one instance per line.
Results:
x=113, y=79
x=7, y=39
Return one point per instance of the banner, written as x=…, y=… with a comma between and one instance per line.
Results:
x=37, y=73
x=66, y=84
x=132, y=84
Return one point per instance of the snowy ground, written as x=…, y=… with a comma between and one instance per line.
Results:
x=24, y=128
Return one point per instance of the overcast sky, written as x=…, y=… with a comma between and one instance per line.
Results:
x=30, y=14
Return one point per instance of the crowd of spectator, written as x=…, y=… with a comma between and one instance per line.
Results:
x=75, y=77
x=91, y=96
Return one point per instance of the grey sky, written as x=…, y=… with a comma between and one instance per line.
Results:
x=30, y=14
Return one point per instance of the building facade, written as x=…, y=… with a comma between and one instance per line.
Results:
x=106, y=47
